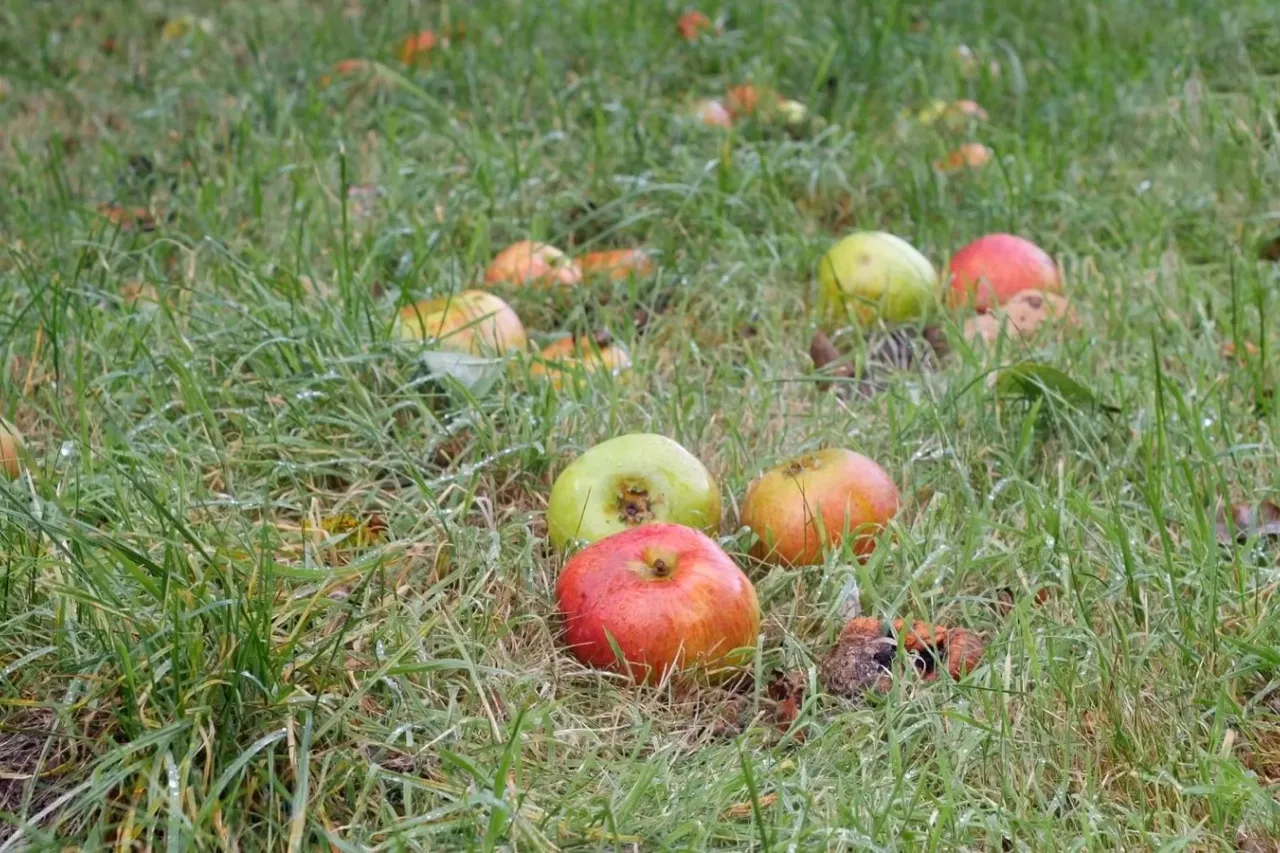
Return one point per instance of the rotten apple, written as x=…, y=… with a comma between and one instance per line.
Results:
x=807, y=504
x=472, y=322
x=527, y=262
x=628, y=481
x=664, y=596
x=870, y=276
x=993, y=269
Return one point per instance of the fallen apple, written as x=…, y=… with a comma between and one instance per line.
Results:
x=872, y=275
x=12, y=448
x=618, y=265
x=713, y=113
x=992, y=269
x=692, y=24
x=628, y=481
x=971, y=155
x=804, y=505
x=472, y=322
x=577, y=358
x=527, y=262
x=658, y=599
x=416, y=47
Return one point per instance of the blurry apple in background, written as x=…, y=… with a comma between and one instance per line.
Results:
x=617, y=264
x=12, y=449
x=575, y=359
x=870, y=276
x=667, y=596
x=472, y=322
x=527, y=262
x=628, y=481
x=993, y=269
x=712, y=113
x=811, y=502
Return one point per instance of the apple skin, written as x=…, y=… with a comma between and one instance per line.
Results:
x=629, y=481
x=849, y=492
x=572, y=359
x=993, y=269
x=527, y=262
x=617, y=264
x=471, y=322
x=669, y=597
x=870, y=276
x=12, y=448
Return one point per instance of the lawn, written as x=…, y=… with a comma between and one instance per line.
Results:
x=265, y=584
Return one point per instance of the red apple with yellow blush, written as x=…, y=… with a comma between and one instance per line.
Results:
x=664, y=596
x=813, y=502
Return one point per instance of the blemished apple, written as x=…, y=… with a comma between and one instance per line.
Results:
x=666, y=596
x=870, y=276
x=527, y=262
x=617, y=264
x=813, y=502
x=573, y=360
x=993, y=269
x=629, y=481
x=472, y=322
x=11, y=450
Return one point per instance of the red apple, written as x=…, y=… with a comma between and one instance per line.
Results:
x=666, y=595
x=845, y=491
x=993, y=269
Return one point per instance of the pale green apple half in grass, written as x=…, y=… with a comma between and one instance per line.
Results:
x=870, y=276
x=628, y=481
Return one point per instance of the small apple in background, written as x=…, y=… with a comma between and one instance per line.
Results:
x=12, y=449
x=617, y=264
x=667, y=596
x=574, y=359
x=712, y=113
x=870, y=276
x=527, y=262
x=993, y=269
x=629, y=481
x=472, y=322
x=846, y=491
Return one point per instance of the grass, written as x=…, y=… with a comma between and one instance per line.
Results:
x=194, y=654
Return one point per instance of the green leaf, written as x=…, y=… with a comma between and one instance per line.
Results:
x=1035, y=380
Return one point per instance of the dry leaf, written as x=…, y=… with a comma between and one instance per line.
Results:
x=787, y=690
x=742, y=811
x=971, y=155
x=693, y=24
x=1270, y=250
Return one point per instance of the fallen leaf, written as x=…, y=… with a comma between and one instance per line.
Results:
x=971, y=155
x=787, y=689
x=416, y=47
x=1270, y=250
x=1032, y=380
x=823, y=353
x=1245, y=521
x=712, y=113
x=693, y=24
x=742, y=811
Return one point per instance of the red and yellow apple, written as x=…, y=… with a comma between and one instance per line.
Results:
x=574, y=359
x=527, y=262
x=870, y=276
x=11, y=451
x=617, y=264
x=628, y=481
x=666, y=596
x=993, y=269
x=472, y=322
x=807, y=504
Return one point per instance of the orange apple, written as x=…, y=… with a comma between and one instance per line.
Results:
x=993, y=269
x=619, y=264
x=667, y=596
x=692, y=24
x=527, y=262
x=471, y=322
x=11, y=450
x=811, y=502
x=575, y=358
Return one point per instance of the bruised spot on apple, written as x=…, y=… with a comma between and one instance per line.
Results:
x=472, y=322
x=11, y=450
x=664, y=596
x=527, y=262
x=993, y=269
x=629, y=481
x=805, y=505
x=870, y=276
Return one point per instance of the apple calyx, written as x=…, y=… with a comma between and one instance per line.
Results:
x=656, y=565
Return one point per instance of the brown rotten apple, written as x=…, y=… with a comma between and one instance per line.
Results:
x=811, y=502
x=472, y=322
x=527, y=262
x=666, y=595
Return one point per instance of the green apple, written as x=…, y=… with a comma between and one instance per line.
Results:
x=871, y=275
x=628, y=481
